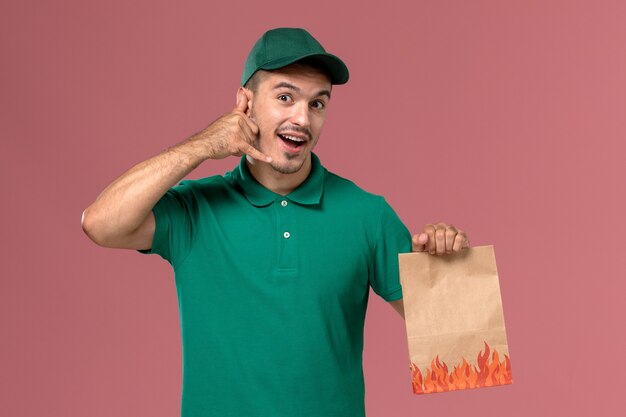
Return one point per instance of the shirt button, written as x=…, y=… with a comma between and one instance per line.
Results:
x=283, y=203
x=286, y=235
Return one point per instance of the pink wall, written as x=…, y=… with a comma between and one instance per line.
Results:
x=507, y=119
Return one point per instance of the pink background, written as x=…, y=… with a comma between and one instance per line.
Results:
x=507, y=119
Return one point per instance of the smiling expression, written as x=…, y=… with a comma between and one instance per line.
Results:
x=289, y=106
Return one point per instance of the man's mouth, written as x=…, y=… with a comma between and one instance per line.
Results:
x=293, y=143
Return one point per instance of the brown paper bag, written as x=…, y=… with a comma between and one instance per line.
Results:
x=454, y=320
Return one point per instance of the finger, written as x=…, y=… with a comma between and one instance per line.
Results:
x=248, y=134
x=466, y=243
x=451, y=233
x=252, y=124
x=440, y=239
x=460, y=241
x=429, y=229
x=253, y=152
x=242, y=106
x=242, y=101
x=419, y=242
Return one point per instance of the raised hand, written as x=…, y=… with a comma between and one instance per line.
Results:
x=235, y=133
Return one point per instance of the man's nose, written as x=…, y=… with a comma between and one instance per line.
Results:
x=300, y=115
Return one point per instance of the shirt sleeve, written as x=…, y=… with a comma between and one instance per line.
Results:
x=173, y=215
x=393, y=238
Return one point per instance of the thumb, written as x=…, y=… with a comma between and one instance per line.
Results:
x=242, y=101
x=419, y=242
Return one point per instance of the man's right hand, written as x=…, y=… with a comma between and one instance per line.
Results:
x=235, y=133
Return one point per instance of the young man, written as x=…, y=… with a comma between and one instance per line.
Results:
x=273, y=261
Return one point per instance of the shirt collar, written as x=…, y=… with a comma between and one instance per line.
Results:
x=309, y=192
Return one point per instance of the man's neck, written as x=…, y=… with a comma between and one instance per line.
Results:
x=275, y=181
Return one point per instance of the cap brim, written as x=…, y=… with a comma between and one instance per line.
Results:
x=337, y=70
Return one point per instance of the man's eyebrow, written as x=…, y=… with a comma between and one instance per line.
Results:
x=285, y=84
x=324, y=93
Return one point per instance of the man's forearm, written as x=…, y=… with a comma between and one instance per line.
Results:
x=125, y=204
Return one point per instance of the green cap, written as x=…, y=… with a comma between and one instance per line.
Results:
x=280, y=47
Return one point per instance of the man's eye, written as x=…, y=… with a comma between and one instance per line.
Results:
x=318, y=104
x=284, y=97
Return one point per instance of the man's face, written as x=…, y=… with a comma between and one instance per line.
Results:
x=289, y=106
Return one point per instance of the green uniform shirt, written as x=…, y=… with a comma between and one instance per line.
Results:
x=273, y=289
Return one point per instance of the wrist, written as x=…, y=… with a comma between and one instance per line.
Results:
x=190, y=153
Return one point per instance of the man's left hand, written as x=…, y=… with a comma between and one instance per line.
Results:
x=440, y=238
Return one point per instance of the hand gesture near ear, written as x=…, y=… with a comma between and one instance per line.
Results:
x=122, y=217
x=235, y=133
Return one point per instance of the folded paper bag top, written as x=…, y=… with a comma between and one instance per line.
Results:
x=454, y=320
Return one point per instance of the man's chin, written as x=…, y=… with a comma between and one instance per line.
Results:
x=291, y=166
